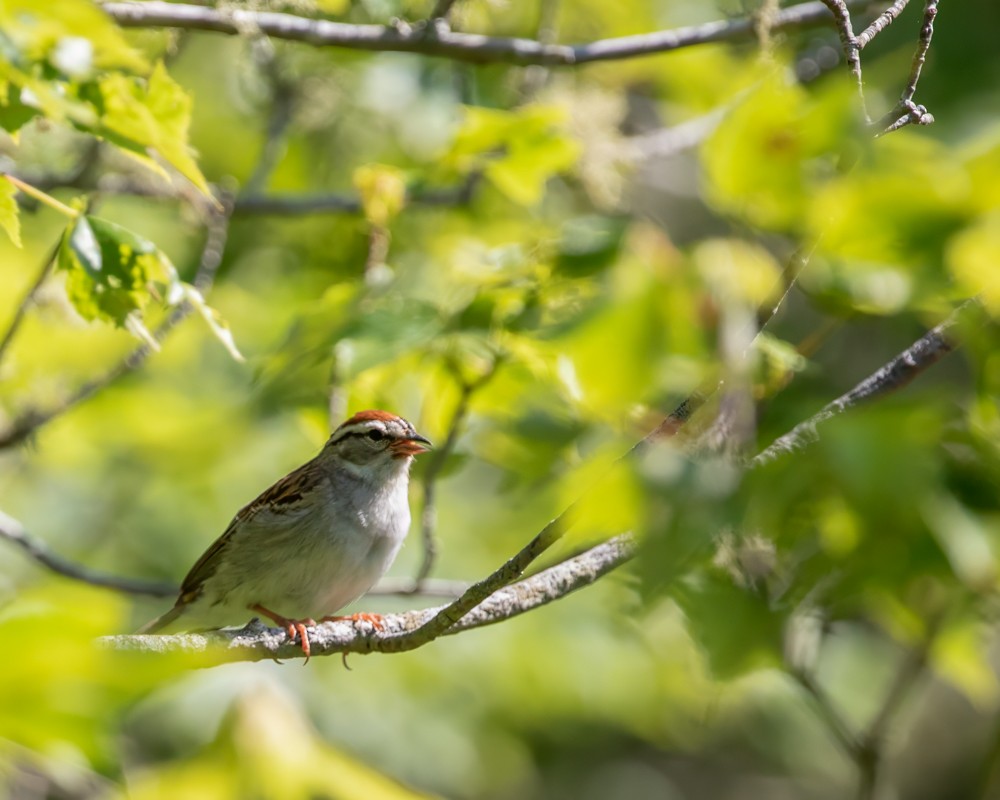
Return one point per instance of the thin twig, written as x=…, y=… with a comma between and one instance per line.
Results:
x=922, y=354
x=215, y=240
x=906, y=111
x=257, y=642
x=300, y=204
x=537, y=76
x=13, y=531
x=880, y=23
x=829, y=712
x=278, y=123
x=439, y=457
x=851, y=47
x=441, y=9
x=473, y=48
x=29, y=297
x=923, y=45
x=869, y=754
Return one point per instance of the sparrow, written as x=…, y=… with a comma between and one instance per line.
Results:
x=313, y=542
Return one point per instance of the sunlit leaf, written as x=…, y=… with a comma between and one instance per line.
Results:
x=9, y=219
x=973, y=256
x=382, y=190
x=960, y=654
x=150, y=117
x=45, y=35
x=110, y=270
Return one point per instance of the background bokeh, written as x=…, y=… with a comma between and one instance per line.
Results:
x=599, y=272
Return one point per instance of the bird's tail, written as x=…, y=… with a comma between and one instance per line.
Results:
x=161, y=621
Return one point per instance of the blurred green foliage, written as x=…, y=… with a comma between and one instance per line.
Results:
x=597, y=285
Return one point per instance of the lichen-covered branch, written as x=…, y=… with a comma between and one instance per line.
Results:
x=400, y=632
x=444, y=43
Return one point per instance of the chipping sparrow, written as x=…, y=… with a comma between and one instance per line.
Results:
x=315, y=541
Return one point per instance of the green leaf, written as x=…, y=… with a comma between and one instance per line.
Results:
x=14, y=114
x=44, y=31
x=216, y=323
x=735, y=626
x=383, y=192
x=111, y=270
x=9, y=219
x=518, y=150
x=148, y=118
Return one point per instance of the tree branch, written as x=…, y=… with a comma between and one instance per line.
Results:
x=490, y=600
x=906, y=111
x=29, y=297
x=472, y=48
x=13, y=531
x=880, y=23
x=922, y=354
x=299, y=204
x=256, y=641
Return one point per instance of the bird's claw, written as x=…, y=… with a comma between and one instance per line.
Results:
x=377, y=620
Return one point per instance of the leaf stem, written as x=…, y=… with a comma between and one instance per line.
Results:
x=42, y=197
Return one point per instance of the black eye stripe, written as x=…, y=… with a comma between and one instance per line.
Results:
x=379, y=435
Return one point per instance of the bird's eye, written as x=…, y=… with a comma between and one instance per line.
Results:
x=376, y=436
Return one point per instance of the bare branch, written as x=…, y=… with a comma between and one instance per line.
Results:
x=441, y=9
x=850, y=45
x=257, y=642
x=922, y=354
x=473, y=48
x=906, y=111
x=13, y=531
x=32, y=419
x=828, y=712
x=299, y=204
x=880, y=23
x=29, y=297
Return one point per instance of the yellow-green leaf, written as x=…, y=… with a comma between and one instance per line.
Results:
x=383, y=192
x=151, y=118
x=9, y=219
x=49, y=30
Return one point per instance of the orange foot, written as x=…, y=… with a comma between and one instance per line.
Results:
x=291, y=626
x=375, y=619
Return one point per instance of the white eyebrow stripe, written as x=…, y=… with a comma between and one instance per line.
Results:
x=359, y=428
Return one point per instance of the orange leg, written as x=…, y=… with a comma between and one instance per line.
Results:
x=291, y=626
x=374, y=619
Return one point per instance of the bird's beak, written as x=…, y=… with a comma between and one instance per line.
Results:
x=411, y=446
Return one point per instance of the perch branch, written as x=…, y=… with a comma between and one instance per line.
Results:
x=473, y=48
x=400, y=631
x=490, y=600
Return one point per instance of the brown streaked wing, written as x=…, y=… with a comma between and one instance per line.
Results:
x=289, y=490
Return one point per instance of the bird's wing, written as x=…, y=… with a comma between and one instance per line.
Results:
x=282, y=497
